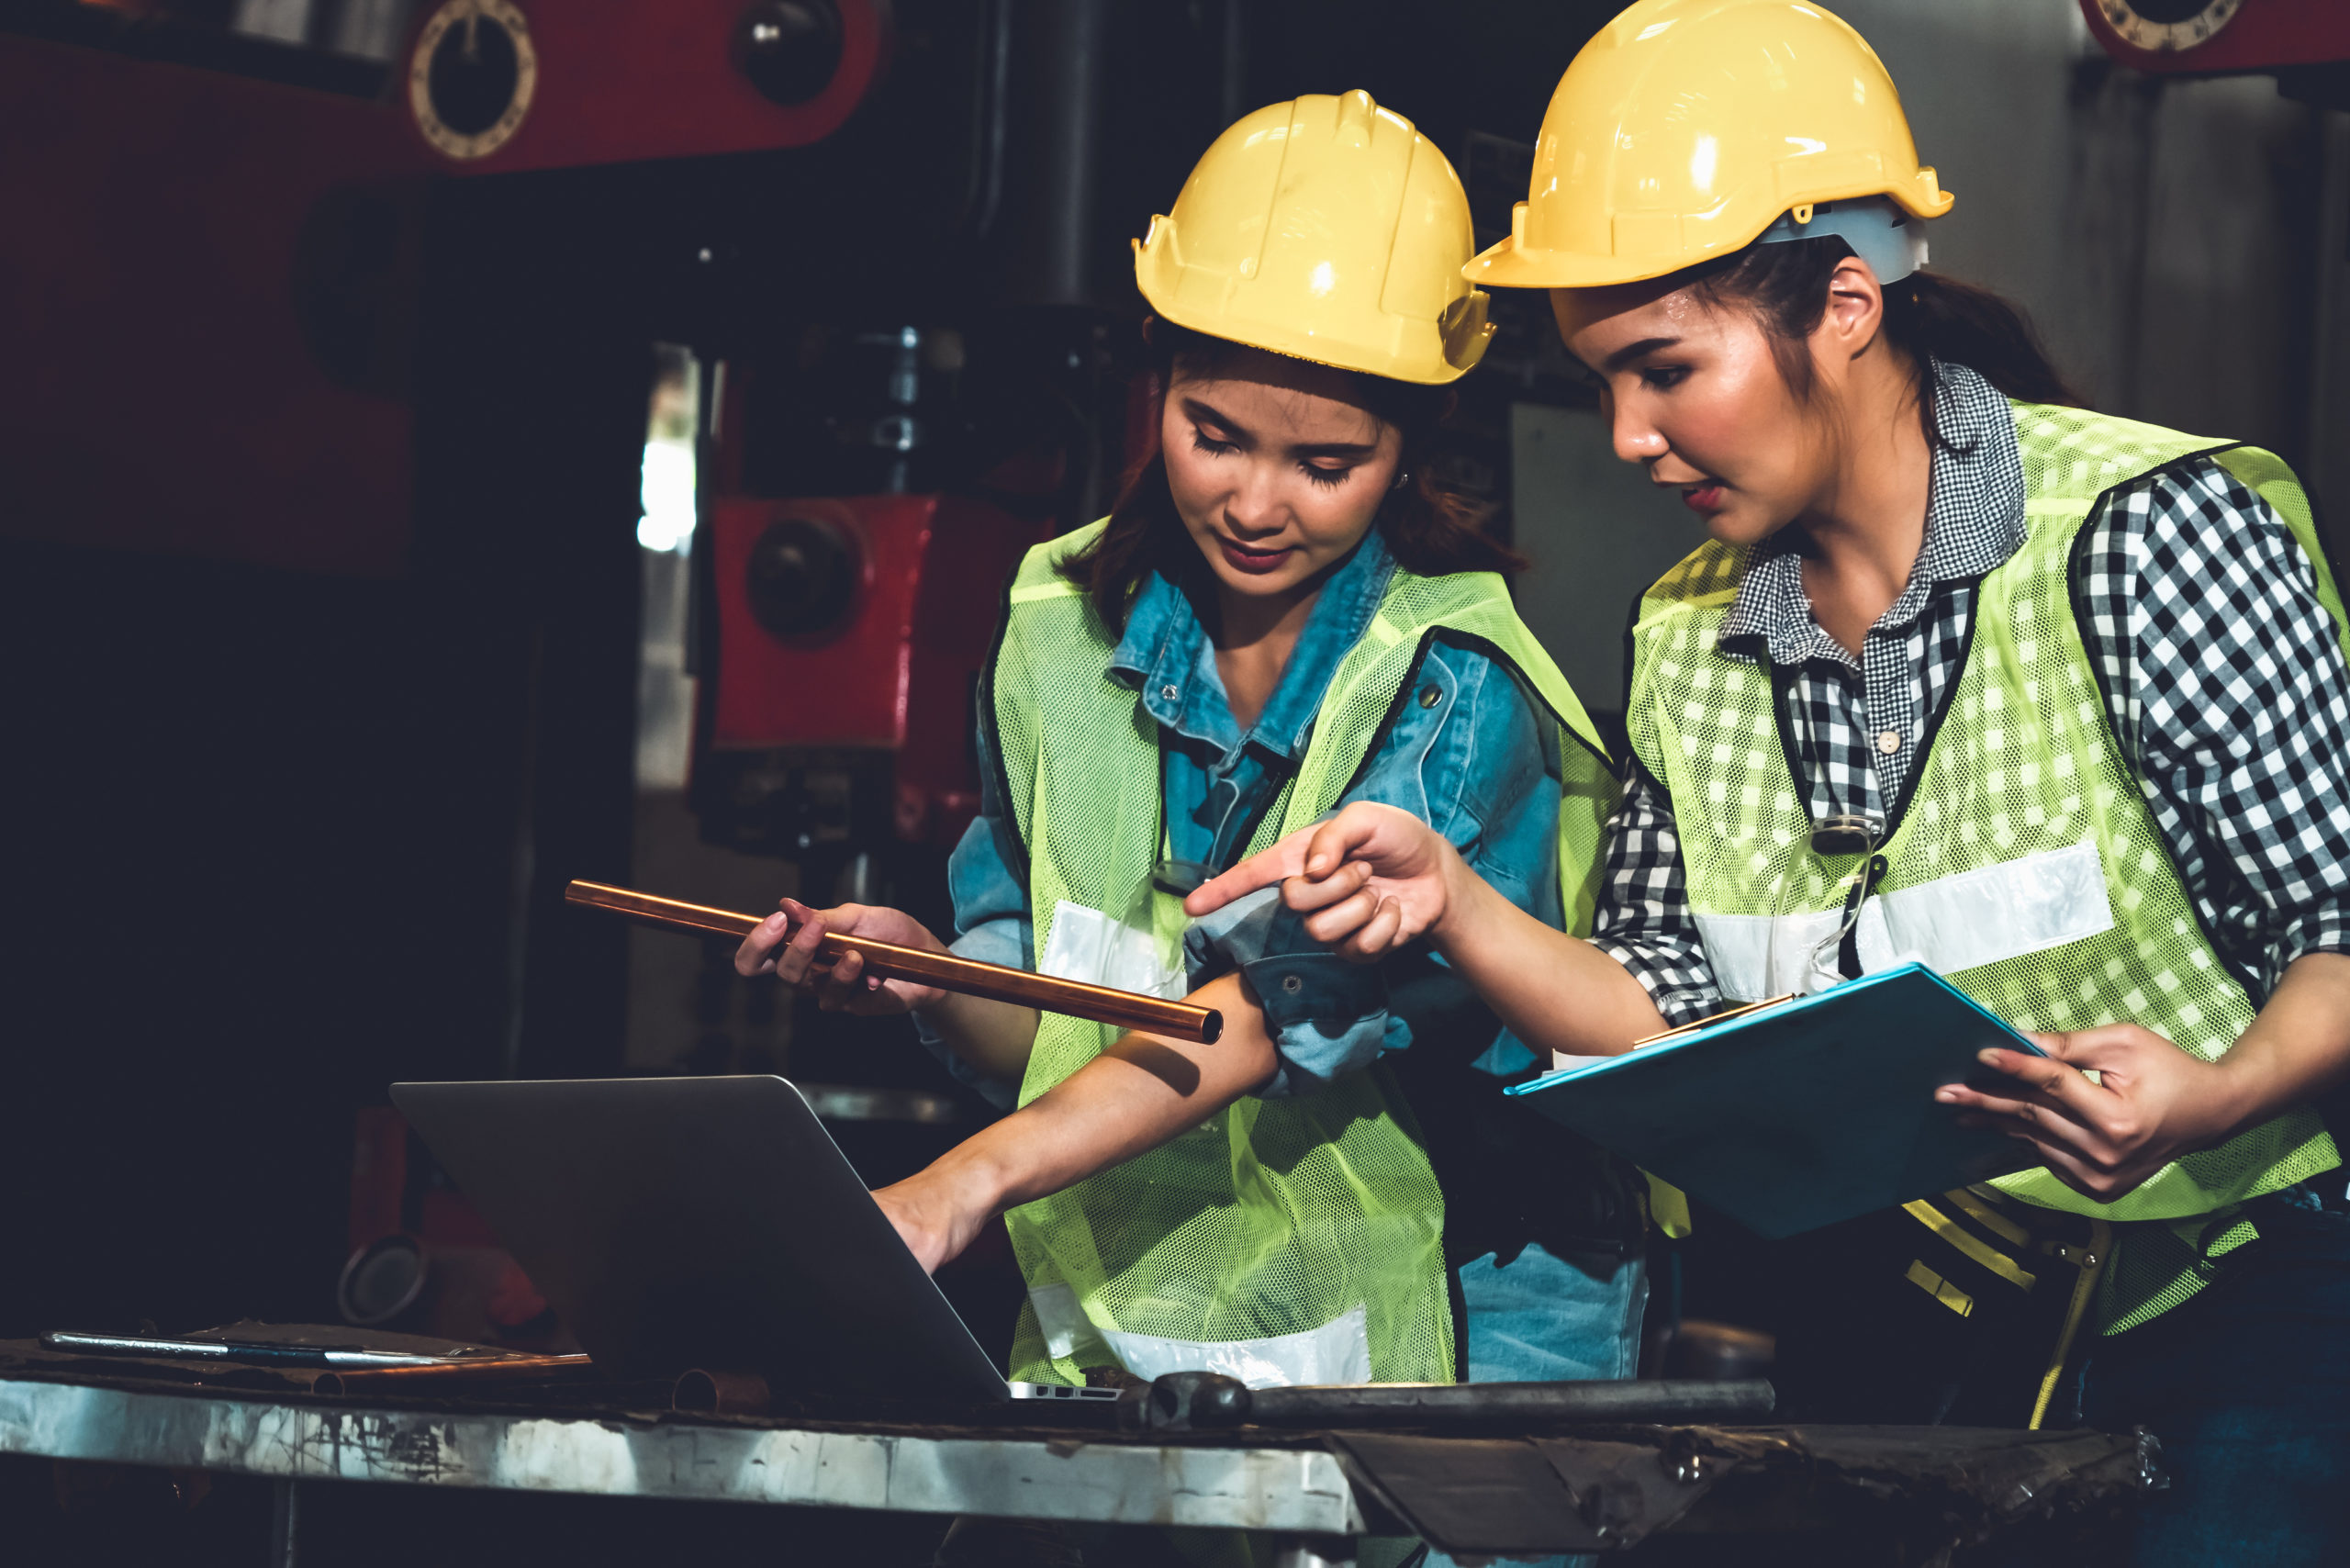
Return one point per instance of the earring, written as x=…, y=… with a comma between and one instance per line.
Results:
x=1402, y=478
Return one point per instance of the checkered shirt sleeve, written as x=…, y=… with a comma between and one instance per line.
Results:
x=1643, y=921
x=2205, y=628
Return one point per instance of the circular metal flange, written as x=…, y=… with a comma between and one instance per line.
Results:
x=2167, y=27
x=471, y=76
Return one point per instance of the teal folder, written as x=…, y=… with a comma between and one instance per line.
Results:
x=1803, y=1113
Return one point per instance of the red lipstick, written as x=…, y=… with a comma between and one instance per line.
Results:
x=1256, y=563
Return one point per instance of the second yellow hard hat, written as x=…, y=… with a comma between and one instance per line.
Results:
x=1327, y=229
x=1687, y=128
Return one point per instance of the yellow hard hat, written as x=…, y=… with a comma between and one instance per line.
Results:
x=1327, y=229
x=1687, y=128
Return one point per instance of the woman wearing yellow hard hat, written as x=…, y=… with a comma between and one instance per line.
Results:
x=1281, y=614
x=2065, y=694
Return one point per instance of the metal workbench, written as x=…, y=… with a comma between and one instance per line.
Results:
x=1320, y=1491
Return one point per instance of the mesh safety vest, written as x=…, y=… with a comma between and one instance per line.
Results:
x=1280, y=1231
x=2022, y=861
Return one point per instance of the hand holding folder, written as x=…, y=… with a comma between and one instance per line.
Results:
x=1795, y=1114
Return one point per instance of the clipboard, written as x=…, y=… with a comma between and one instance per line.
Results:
x=1793, y=1115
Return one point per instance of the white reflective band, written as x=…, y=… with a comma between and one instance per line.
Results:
x=1963, y=922
x=1062, y=1322
x=1087, y=945
x=1339, y=1352
x=1755, y=956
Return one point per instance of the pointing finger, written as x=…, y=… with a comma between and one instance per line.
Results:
x=1262, y=869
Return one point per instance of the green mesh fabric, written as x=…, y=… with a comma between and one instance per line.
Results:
x=1275, y=1217
x=2024, y=762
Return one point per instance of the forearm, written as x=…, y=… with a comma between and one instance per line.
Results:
x=1142, y=1092
x=994, y=1036
x=1555, y=991
x=2297, y=1048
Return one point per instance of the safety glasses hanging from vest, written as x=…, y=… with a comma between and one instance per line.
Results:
x=1832, y=838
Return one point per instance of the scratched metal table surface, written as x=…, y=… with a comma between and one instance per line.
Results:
x=54, y=1408
x=1527, y=1495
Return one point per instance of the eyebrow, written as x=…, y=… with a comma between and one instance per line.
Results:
x=1625, y=356
x=1208, y=413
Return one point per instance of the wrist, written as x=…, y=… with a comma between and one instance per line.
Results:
x=1461, y=887
x=2246, y=1092
x=970, y=1181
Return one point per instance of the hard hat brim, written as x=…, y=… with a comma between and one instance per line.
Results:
x=1338, y=357
x=1291, y=341
x=1507, y=265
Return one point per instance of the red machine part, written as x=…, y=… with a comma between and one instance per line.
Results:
x=464, y=1286
x=876, y=646
x=160, y=394
x=614, y=80
x=2210, y=37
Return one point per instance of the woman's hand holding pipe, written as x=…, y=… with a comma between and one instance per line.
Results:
x=994, y=1036
x=844, y=987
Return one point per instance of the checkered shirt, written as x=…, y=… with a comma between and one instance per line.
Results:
x=2221, y=673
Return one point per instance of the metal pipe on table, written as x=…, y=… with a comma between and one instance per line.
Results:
x=1209, y=1402
x=968, y=977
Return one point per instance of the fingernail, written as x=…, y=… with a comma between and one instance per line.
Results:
x=1989, y=1057
x=1946, y=1096
x=1317, y=864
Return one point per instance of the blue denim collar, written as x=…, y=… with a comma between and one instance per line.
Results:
x=1166, y=656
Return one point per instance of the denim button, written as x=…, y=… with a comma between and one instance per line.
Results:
x=1430, y=695
x=1168, y=692
x=1292, y=984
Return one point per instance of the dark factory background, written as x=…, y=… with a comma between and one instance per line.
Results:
x=443, y=455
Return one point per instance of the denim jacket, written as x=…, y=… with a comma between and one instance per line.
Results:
x=1474, y=763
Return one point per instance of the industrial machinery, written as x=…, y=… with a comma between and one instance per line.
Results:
x=330, y=328
x=2305, y=44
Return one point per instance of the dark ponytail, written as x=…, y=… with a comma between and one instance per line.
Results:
x=1429, y=528
x=1928, y=316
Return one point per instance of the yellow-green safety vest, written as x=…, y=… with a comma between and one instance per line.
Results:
x=1293, y=1239
x=2023, y=862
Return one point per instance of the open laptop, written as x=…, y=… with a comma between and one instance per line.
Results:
x=706, y=1222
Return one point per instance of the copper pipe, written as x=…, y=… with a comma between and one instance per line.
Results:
x=721, y=1393
x=486, y=1369
x=968, y=977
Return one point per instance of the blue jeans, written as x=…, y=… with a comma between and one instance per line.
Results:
x=1539, y=1318
x=2248, y=1387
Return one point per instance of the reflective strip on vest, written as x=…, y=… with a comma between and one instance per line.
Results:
x=1953, y=924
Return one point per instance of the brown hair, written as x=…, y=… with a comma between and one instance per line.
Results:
x=1928, y=316
x=1427, y=529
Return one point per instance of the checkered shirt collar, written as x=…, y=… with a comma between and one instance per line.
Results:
x=1974, y=521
